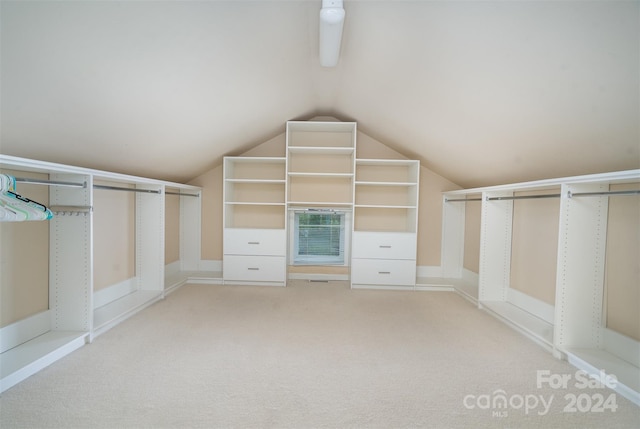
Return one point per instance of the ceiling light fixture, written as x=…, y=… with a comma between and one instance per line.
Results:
x=331, y=22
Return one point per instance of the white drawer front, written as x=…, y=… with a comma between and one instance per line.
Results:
x=383, y=272
x=384, y=245
x=255, y=242
x=254, y=268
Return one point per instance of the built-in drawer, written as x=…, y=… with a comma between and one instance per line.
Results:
x=240, y=241
x=254, y=268
x=384, y=245
x=383, y=272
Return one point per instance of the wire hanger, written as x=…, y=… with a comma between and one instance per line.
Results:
x=15, y=208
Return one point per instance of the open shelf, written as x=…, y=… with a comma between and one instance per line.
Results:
x=595, y=360
x=523, y=321
x=30, y=357
x=116, y=311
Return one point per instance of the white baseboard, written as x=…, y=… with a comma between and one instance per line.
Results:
x=24, y=330
x=470, y=277
x=429, y=271
x=435, y=288
x=531, y=305
x=319, y=277
x=113, y=292
x=210, y=265
x=173, y=268
x=622, y=346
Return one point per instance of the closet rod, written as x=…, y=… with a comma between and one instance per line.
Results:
x=447, y=200
x=523, y=197
x=181, y=194
x=116, y=188
x=604, y=193
x=50, y=182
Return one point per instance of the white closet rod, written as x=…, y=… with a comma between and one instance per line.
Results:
x=50, y=182
x=116, y=188
x=523, y=197
x=457, y=200
x=181, y=194
x=607, y=193
x=569, y=194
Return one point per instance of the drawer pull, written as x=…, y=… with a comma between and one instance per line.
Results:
x=385, y=247
x=253, y=242
x=384, y=272
x=253, y=269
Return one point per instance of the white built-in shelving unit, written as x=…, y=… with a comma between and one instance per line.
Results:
x=254, y=218
x=320, y=171
x=76, y=313
x=573, y=327
x=385, y=223
x=320, y=163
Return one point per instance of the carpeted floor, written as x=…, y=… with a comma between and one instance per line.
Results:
x=312, y=355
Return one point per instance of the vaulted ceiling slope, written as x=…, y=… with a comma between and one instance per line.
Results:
x=483, y=92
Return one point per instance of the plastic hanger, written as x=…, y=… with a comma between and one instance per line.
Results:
x=15, y=208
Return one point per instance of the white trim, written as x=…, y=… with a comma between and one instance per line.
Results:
x=210, y=265
x=469, y=276
x=361, y=286
x=109, y=294
x=173, y=268
x=250, y=283
x=35, y=355
x=538, y=308
x=24, y=330
x=622, y=346
x=590, y=178
x=579, y=362
x=434, y=288
x=320, y=277
x=205, y=280
x=429, y=271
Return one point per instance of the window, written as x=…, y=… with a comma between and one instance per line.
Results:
x=319, y=238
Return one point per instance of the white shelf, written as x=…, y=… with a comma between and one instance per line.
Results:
x=320, y=203
x=233, y=203
x=116, y=311
x=534, y=327
x=595, y=360
x=382, y=206
x=399, y=184
x=276, y=181
x=320, y=175
x=319, y=150
x=28, y=358
x=467, y=289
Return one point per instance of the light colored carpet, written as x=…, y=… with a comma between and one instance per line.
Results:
x=311, y=355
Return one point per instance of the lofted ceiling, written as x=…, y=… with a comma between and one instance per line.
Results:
x=482, y=92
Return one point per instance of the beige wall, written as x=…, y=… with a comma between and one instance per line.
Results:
x=622, y=272
x=211, y=184
x=172, y=229
x=24, y=259
x=534, y=245
x=430, y=208
x=113, y=236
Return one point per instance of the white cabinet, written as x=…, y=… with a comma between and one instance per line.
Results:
x=255, y=221
x=266, y=242
x=383, y=272
x=385, y=223
x=251, y=268
x=384, y=245
x=383, y=259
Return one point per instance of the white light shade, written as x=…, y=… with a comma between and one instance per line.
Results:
x=331, y=22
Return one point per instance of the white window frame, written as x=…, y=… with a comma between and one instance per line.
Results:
x=345, y=241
